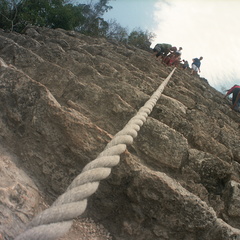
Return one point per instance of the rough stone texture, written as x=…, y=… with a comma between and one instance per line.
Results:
x=64, y=95
x=20, y=199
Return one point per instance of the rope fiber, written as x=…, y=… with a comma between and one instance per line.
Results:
x=57, y=220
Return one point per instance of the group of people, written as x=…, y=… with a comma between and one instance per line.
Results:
x=171, y=56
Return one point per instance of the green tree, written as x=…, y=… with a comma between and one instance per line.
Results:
x=85, y=18
x=94, y=24
x=49, y=13
x=8, y=14
x=33, y=12
x=141, y=39
x=116, y=32
x=15, y=15
x=67, y=17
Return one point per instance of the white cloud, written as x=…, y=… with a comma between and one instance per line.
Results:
x=203, y=28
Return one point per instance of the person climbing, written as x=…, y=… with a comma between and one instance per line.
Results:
x=176, y=57
x=179, y=52
x=165, y=49
x=185, y=64
x=156, y=49
x=168, y=55
x=196, y=65
x=235, y=91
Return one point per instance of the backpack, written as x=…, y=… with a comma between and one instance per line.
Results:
x=158, y=47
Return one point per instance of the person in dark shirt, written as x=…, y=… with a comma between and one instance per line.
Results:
x=235, y=91
x=165, y=49
x=157, y=49
x=185, y=64
x=196, y=65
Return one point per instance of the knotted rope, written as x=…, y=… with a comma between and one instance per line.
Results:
x=57, y=220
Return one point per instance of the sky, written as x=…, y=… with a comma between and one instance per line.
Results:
x=207, y=28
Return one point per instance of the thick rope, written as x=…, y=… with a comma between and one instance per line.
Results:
x=57, y=220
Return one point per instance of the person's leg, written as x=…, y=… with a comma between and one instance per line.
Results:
x=166, y=60
x=158, y=55
x=155, y=52
x=234, y=93
x=165, y=56
x=177, y=62
x=194, y=69
x=173, y=59
x=235, y=99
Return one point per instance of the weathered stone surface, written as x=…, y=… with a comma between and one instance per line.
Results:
x=20, y=199
x=231, y=196
x=165, y=146
x=64, y=95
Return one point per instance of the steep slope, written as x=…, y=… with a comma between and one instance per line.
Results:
x=64, y=95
